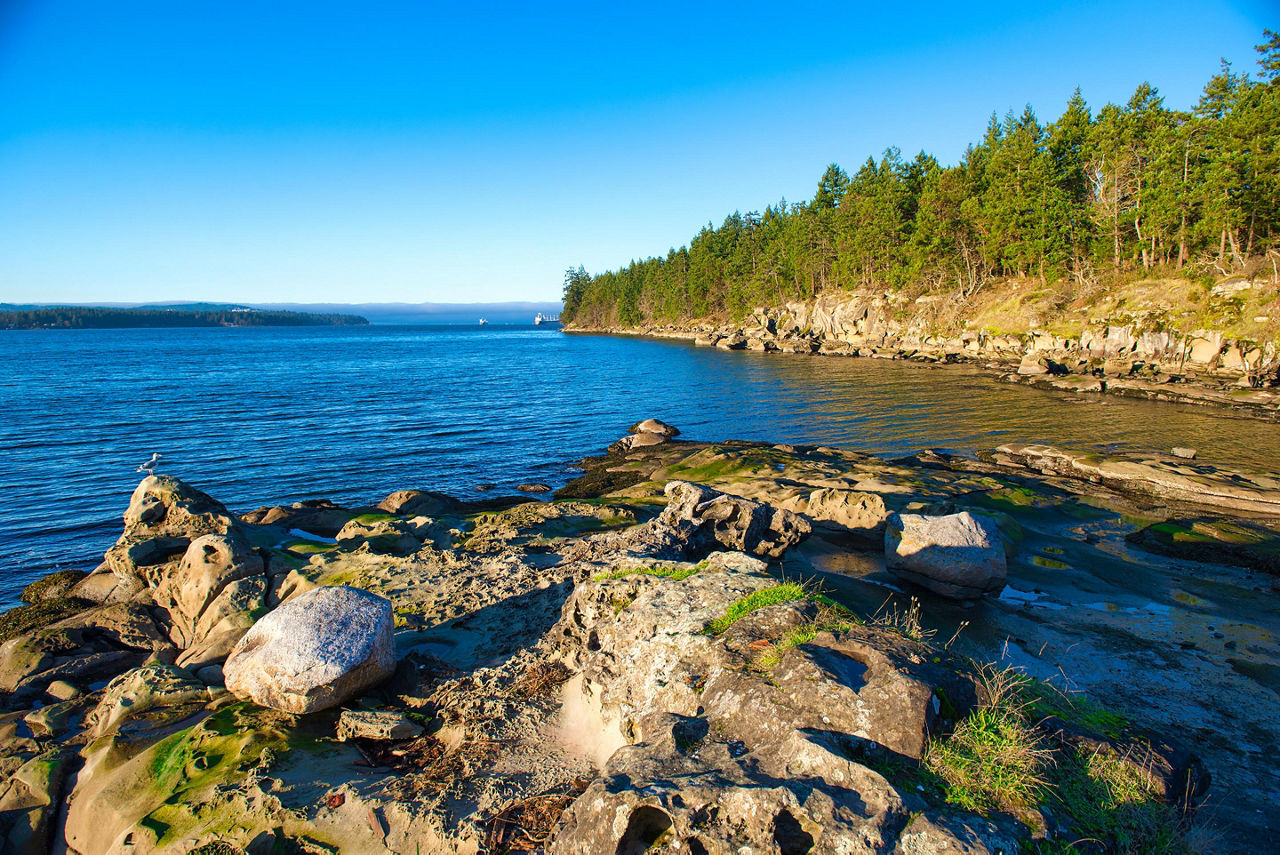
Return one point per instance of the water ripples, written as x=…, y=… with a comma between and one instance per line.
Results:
x=272, y=416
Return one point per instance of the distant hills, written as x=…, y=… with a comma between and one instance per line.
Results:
x=375, y=313
x=107, y=317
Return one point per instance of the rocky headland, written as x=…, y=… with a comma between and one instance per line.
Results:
x=693, y=647
x=1163, y=341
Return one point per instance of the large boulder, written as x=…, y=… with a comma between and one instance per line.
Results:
x=314, y=651
x=705, y=519
x=959, y=555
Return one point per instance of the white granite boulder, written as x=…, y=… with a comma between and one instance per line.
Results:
x=314, y=651
x=959, y=555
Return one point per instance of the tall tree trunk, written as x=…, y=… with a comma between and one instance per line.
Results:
x=1115, y=217
x=1235, y=248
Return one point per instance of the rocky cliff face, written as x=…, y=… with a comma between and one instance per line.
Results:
x=1136, y=353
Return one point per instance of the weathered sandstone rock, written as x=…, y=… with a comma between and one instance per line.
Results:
x=219, y=586
x=317, y=516
x=861, y=513
x=705, y=519
x=314, y=651
x=957, y=555
x=417, y=503
x=366, y=724
x=388, y=536
x=153, y=686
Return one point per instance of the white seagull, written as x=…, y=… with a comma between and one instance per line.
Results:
x=150, y=466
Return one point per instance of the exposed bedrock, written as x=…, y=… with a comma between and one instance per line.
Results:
x=718, y=754
x=698, y=520
x=656, y=663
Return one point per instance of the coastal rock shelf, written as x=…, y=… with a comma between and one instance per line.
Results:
x=707, y=647
x=1201, y=367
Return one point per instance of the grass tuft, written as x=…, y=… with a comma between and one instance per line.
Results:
x=903, y=621
x=673, y=573
x=786, y=592
x=1112, y=800
x=994, y=760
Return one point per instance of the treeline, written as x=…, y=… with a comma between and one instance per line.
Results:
x=1087, y=199
x=92, y=317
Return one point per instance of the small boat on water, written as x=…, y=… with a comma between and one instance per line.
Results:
x=541, y=319
x=483, y=322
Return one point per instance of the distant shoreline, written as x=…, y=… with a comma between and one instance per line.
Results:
x=82, y=317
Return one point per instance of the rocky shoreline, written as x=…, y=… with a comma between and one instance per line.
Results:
x=1203, y=367
x=700, y=646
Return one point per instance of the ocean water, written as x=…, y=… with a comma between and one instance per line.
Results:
x=272, y=416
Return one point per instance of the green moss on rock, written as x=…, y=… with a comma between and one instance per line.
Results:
x=38, y=615
x=54, y=586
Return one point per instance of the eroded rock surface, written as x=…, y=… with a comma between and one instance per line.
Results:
x=574, y=671
x=314, y=651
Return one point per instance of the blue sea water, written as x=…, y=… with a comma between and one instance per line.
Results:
x=258, y=416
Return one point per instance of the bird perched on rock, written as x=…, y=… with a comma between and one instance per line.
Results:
x=150, y=466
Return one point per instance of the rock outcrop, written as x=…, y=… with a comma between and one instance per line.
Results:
x=386, y=535
x=699, y=520
x=315, y=651
x=859, y=513
x=958, y=555
x=717, y=756
x=1135, y=357
x=644, y=434
x=572, y=676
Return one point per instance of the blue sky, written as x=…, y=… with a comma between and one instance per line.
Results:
x=457, y=152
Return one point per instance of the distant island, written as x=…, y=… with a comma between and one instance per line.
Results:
x=97, y=317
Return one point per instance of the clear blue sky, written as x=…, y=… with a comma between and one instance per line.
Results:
x=456, y=152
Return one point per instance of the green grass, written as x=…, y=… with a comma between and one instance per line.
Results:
x=673, y=573
x=1110, y=800
x=1045, y=700
x=994, y=760
x=769, y=659
x=832, y=617
x=786, y=592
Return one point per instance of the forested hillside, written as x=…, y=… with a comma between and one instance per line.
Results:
x=1130, y=191
x=95, y=317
